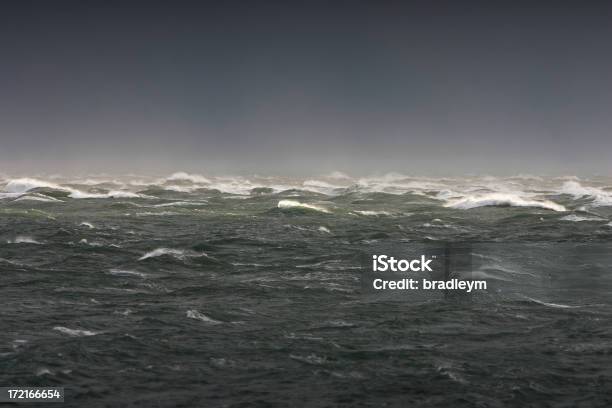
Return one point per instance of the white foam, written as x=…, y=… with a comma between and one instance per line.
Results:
x=38, y=197
x=159, y=214
x=75, y=332
x=124, y=272
x=23, y=185
x=87, y=224
x=324, y=229
x=292, y=204
x=580, y=218
x=194, y=178
x=320, y=186
x=111, y=194
x=22, y=239
x=95, y=244
x=599, y=196
x=555, y=305
x=372, y=213
x=467, y=191
x=235, y=185
x=43, y=371
x=194, y=314
x=394, y=183
x=177, y=253
x=180, y=203
x=179, y=189
x=501, y=199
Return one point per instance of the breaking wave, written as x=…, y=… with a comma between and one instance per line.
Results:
x=124, y=272
x=502, y=200
x=292, y=204
x=23, y=185
x=456, y=192
x=599, y=196
x=75, y=332
x=548, y=304
x=22, y=239
x=372, y=213
x=580, y=218
x=194, y=178
x=38, y=197
x=176, y=253
x=194, y=314
x=181, y=204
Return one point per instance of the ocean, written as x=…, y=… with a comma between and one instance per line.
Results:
x=193, y=290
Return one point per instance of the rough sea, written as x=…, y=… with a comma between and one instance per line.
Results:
x=198, y=291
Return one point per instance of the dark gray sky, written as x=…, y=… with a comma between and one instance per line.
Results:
x=306, y=87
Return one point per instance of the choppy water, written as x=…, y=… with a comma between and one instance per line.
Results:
x=229, y=291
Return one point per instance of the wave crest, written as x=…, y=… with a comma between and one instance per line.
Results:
x=599, y=196
x=502, y=199
x=75, y=332
x=23, y=185
x=194, y=178
x=293, y=204
x=194, y=314
x=176, y=253
x=22, y=239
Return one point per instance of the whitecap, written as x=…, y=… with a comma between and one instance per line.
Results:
x=75, y=332
x=87, y=224
x=502, y=199
x=324, y=229
x=292, y=204
x=158, y=214
x=43, y=371
x=194, y=178
x=111, y=194
x=92, y=243
x=177, y=253
x=579, y=218
x=599, y=196
x=180, y=203
x=319, y=186
x=372, y=213
x=38, y=197
x=555, y=305
x=22, y=239
x=23, y=185
x=124, y=272
x=179, y=189
x=194, y=314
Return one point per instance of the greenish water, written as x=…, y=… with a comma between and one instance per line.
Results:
x=201, y=291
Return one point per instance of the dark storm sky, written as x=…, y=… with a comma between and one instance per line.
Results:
x=287, y=87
